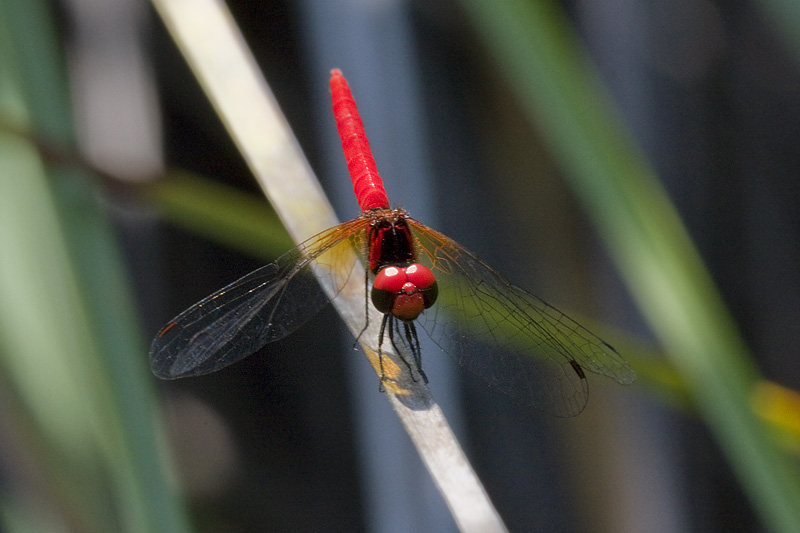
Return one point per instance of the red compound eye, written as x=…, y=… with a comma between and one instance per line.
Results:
x=420, y=275
x=390, y=279
x=424, y=281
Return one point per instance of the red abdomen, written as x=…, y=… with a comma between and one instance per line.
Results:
x=367, y=184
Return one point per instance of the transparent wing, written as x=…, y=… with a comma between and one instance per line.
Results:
x=263, y=306
x=507, y=336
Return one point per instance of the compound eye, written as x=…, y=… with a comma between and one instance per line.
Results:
x=420, y=275
x=387, y=285
x=425, y=282
x=390, y=279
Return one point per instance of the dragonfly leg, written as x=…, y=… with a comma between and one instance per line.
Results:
x=388, y=327
x=366, y=310
x=387, y=320
x=380, y=350
x=413, y=342
x=394, y=325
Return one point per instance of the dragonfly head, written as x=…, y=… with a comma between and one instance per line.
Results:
x=404, y=291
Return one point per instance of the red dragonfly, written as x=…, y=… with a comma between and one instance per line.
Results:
x=513, y=340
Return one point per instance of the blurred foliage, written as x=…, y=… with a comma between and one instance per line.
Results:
x=561, y=93
x=70, y=345
x=220, y=213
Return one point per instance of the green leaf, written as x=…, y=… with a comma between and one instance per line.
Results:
x=560, y=92
x=70, y=345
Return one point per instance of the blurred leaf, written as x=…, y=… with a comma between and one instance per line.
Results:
x=561, y=94
x=69, y=339
x=220, y=213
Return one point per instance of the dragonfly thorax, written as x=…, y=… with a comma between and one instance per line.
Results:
x=390, y=241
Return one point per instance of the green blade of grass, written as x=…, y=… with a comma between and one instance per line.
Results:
x=559, y=91
x=221, y=214
x=70, y=344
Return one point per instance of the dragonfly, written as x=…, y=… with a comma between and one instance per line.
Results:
x=415, y=275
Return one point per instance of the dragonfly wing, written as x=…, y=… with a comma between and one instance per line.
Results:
x=263, y=306
x=509, y=337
